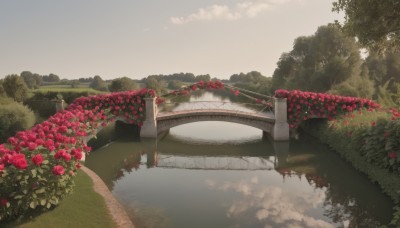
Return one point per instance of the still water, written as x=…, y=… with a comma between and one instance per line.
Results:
x=218, y=174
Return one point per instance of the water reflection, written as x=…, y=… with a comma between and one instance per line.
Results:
x=272, y=206
x=309, y=186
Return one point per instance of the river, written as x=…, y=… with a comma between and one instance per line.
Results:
x=219, y=174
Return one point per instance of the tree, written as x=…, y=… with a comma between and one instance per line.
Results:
x=384, y=70
x=152, y=83
x=33, y=81
x=204, y=78
x=98, y=83
x=2, y=91
x=123, y=84
x=15, y=87
x=318, y=62
x=376, y=24
x=175, y=84
x=51, y=78
x=74, y=83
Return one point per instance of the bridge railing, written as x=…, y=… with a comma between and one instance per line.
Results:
x=258, y=108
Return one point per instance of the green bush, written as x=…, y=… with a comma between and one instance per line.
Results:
x=14, y=117
x=41, y=100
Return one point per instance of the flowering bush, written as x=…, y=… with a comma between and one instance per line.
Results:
x=196, y=86
x=306, y=105
x=37, y=166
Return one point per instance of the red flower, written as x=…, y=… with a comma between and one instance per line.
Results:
x=67, y=157
x=32, y=146
x=19, y=161
x=60, y=154
x=3, y=201
x=392, y=155
x=236, y=92
x=37, y=159
x=373, y=123
x=58, y=170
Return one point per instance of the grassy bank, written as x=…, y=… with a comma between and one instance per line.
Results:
x=83, y=208
x=370, y=142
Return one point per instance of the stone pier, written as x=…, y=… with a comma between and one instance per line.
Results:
x=149, y=128
x=280, y=131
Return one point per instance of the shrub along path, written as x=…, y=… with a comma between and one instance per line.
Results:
x=84, y=208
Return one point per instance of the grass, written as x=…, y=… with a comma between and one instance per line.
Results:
x=84, y=208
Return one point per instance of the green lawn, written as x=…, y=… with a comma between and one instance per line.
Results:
x=84, y=208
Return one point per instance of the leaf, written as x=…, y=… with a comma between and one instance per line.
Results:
x=40, y=190
x=34, y=172
x=42, y=202
x=33, y=204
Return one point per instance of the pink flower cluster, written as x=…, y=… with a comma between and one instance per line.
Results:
x=306, y=105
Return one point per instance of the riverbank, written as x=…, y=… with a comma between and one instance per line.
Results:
x=349, y=140
x=117, y=212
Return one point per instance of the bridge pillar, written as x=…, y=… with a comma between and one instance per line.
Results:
x=280, y=131
x=149, y=128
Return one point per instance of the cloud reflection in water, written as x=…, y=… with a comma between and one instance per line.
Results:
x=271, y=205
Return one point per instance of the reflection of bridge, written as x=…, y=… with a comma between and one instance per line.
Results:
x=274, y=124
x=214, y=163
x=253, y=155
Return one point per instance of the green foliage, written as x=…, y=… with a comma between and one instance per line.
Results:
x=14, y=117
x=74, y=83
x=33, y=81
x=152, y=83
x=123, y=84
x=51, y=78
x=356, y=86
x=15, y=87
x=2, y=91
x=323, y=60
x=375, y=23
x=98, y=84
x=253, y=81
x=41, y=100
x=367, y=140
x=204, y=78
x=175, y=84
x=183, y=77
x=84, y=207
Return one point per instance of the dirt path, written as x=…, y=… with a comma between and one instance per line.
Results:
x=117, y=212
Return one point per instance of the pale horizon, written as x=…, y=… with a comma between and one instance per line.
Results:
x=76, y=39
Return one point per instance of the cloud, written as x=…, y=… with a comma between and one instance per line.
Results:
x=248, y=9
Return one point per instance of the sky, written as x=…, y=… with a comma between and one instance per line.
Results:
x=84, y=38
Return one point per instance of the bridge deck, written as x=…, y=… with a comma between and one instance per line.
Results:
x=269, y=117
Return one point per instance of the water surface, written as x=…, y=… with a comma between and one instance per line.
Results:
x=217, y=174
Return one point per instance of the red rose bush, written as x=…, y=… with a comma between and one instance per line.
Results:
x=37, y=166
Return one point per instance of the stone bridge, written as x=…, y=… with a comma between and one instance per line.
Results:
x=275, y=124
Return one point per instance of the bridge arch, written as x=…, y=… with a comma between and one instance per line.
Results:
x=276, y=125
x=170, y=120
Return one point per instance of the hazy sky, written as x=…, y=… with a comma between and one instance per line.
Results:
x=84, y=38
